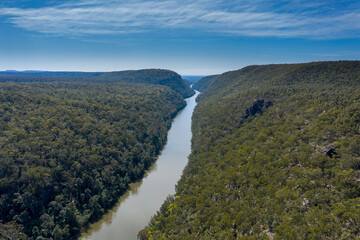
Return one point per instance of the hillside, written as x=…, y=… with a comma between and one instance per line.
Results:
x=48, y=74
x=68, y=151
x=204, y=83
x=191, y=79
x=275, y=155
x=149, y=76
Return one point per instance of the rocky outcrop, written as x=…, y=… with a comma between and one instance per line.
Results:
x=329, y=150
x=257, y=106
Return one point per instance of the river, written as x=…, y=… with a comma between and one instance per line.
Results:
x=134, y=210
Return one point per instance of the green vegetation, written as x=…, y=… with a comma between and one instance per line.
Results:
x=153, y=76
x=48, y=74
x=276, y=155
x=191, y=79
x=149, y=76
x=204, y=83
x=69, y=150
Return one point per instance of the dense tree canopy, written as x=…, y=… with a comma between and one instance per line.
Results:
x=204, y=83
x=275, y=155
x=69, y=150
x=148, y=76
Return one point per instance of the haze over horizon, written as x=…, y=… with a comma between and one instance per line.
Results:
x=192, y=38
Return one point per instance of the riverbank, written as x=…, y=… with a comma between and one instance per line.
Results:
x=144, y=198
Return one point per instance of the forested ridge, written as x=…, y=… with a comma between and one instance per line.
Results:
x=204, y=83
x=149, y=76
x=69, y=150
x=192, y=79
x=275, y=155
x=33, y=73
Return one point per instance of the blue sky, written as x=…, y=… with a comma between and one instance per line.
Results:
x=191, y=37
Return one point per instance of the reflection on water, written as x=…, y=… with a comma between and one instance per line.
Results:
x=134, y=209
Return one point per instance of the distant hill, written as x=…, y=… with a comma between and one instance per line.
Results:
x=275, y=155
x=152, y=76
x=191, y=79
x=47, y=73
x=316, y=73
x=149, y=76
x=203, y=83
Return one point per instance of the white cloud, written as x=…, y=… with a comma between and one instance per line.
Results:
x=309, y=19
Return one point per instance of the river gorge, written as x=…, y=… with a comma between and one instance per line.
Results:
x=134, y=209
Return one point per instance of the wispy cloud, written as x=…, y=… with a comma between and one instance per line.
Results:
x=292, y=18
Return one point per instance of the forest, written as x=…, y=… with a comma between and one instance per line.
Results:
x=204, y=83
x=68, y=150
x=275, y=155
x=148, y=76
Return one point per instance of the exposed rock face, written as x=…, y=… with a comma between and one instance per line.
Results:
x=329, y=150
x=258, y=106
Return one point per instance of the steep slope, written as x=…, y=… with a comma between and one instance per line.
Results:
x=191, y=79
x=69, y=150
x=275, y=156
x=149, y=76
x=204, y=83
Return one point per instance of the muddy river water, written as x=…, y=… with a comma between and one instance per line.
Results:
x=134, y=210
